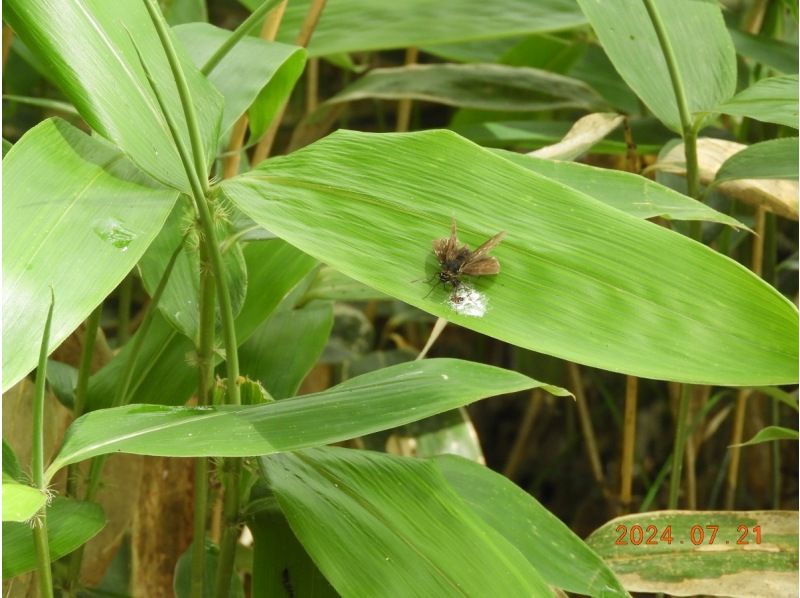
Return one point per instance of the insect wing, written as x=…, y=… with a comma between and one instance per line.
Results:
x=481, y=267
x=487, y=246
x=447, y=249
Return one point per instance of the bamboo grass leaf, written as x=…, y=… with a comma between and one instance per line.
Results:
x=375, y=401
x=372, y=521
x=341, y=27
x=256, y=76
x=772, y=100
x=70, y=524
x=579, y=280
x=706, y=59
x=483, y=86
x=68, y=194
x=631, y=193
x=93, y=61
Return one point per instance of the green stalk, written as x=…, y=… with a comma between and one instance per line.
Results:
x=687, y=128
x=84, y=372
x=195, y=139
x=45, y=573
x=124, y=310
x=246, y=27
x=200, y=194
x=205, y=371
x=689, y=133
x=680, y=441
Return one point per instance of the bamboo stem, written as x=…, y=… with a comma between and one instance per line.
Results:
x=517, y=452
x=205, y=386
x=586, y=423
x=404, y=105
x=681, y=426
x=264, y=146
x=737, y=435
x=312, y=85
x=628, y=442
x=124, y=310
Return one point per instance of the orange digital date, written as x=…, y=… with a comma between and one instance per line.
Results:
x=698, y=534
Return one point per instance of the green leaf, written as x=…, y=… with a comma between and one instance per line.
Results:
x=607, y=289
x=70, y=524
x=773, y=159
x=382, y=399
x=182, y=581
x=255, y=75
x=772, y=100
x=183, y=11
x=562, y=558
x=163, y=372
x=770, y=434
x=73, y=210
x=280, y=564
x=421, y=22
x=484, y=86
x=285, y=348
x=631, y=193
x=596, y=69
x=377, y=524
x=331, y=284
x=91, y=57
x=774, y=53
x=62, y=379
x=704, y=53
x=11, y=466
x=650, y=135
x=20, y=501
x=736, y=564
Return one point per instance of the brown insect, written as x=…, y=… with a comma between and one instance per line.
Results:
x=457, y=260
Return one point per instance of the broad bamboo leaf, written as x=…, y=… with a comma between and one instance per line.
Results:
x=773, y=159
x=375, y=401
x=256, y=76
x=77, y=216
x=579, y=280
x=421, y=22
x=772, y=100
x=280, y=563
x=70, y=524
x=704, y=52
x=717, y=553
x=90, y=54
x=182, y=582
x=283, y=349
x=774, y=53
x=184, y=11
x=20, y=501
x=770, y=434
x=11, y=466
x=650, y=135
x=485, y=86
x=381, y=525
x=562, y=558
x=631, y=193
